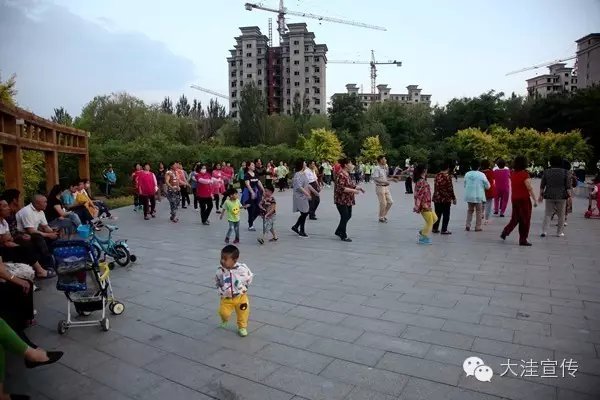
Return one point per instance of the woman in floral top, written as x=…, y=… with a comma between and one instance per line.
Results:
x=443, y=197
x=423, y=203
x=343, y=197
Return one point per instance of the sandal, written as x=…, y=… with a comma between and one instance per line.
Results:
x=49, y=275
x=273, y=239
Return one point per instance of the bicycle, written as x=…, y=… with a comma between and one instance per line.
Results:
x=117, y=249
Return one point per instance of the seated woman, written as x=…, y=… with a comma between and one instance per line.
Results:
x=81, y=197
x=72, y=203
x=23, y=252
x=34, y=357
x=66, y=221
x=103, y=210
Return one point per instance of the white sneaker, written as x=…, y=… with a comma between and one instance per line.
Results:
x=561, y=235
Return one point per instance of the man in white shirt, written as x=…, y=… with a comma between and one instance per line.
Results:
x=382, y=183
x=31, y=220
x=312, y=181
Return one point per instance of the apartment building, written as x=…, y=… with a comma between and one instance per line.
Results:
x=384, y=93
x=559, y=79
x=588, y=60
x=297, y=66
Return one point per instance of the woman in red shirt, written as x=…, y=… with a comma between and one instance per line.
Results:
x=146, y=189
x=521, y=203
x=204, y=192
x=490, y=194
x=343, y=197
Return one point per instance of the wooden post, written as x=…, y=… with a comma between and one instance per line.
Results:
x=84, y=166
x=51, y=169
x=12, y=168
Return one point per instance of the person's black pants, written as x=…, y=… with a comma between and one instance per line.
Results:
x=345, y=215
x=281, y=183
x=42, y=246
x=301, y=222
x=136, y=200
x=442, y=210
x=185, y=196
x=314, y=201
x=216, y=198
x=196, y=202
x=367, y=178
x=408, y=185
x=206, y=206
x=83, y=213
x=24, y=254
x=253, y=211
x=16, y=308
x=149, y=204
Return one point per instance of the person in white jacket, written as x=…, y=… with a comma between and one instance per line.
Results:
x=232, y=281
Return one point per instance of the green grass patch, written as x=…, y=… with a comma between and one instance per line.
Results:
x=117, y=202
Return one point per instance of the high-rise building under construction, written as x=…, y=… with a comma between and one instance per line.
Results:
x=294, y=70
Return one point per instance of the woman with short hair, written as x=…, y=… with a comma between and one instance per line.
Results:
x=344, y=195
x=302, y=195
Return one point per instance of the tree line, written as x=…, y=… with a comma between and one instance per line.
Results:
x=125, y=130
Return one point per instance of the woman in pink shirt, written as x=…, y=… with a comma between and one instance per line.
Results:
x=228, y=173
x=146, y=190
x=218, y=185
x=502, y=180
x=204, y=192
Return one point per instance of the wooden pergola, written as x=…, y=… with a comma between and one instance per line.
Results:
x=22, y=130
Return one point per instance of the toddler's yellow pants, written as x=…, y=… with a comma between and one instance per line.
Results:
x=241, y=305
x=430, y=219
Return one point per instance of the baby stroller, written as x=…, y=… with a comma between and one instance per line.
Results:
x=85, y=282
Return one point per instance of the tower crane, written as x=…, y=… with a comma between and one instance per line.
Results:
x=282, y=11
x=210, y=92
x=546, y=64
x=373, y=63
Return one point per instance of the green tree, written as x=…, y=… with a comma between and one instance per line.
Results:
x=61, y=116
x=215, y=117
x=253, y=115
x=183, y=108
x=371, y=149
x=8, y=89
x=167, y=105
x=322, y=144
x=347, y=113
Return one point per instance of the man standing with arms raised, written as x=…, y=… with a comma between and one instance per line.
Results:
x=382, y=183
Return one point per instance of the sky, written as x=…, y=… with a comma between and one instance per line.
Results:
x=65, y=52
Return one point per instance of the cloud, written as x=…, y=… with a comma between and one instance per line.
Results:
x=62, y=59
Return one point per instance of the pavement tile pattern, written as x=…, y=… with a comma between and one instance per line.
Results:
x=380, y=318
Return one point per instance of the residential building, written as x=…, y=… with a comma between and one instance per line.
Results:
x=384, y=93
x=559, y=79
x=297, y=66
x=588, y=60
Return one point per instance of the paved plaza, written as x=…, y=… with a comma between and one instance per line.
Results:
x=380, y=318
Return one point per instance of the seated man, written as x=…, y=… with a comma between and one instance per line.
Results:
x=12, y=196
x=31, y=220
x=11, y=251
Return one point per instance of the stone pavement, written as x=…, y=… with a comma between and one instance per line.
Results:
x=379, y=318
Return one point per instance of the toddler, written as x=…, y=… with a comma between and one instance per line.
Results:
x=268, y=208
x=423, y=203
x=232, y=208
x=232, y=280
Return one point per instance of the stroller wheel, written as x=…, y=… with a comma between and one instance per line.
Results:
x=111, y=265
x=117, y=308
x=105, y=324
x=62, y=327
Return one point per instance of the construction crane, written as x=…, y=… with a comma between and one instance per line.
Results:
x=373, y=63
x=209, y=91
x=282, y=11
x=546, y=64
